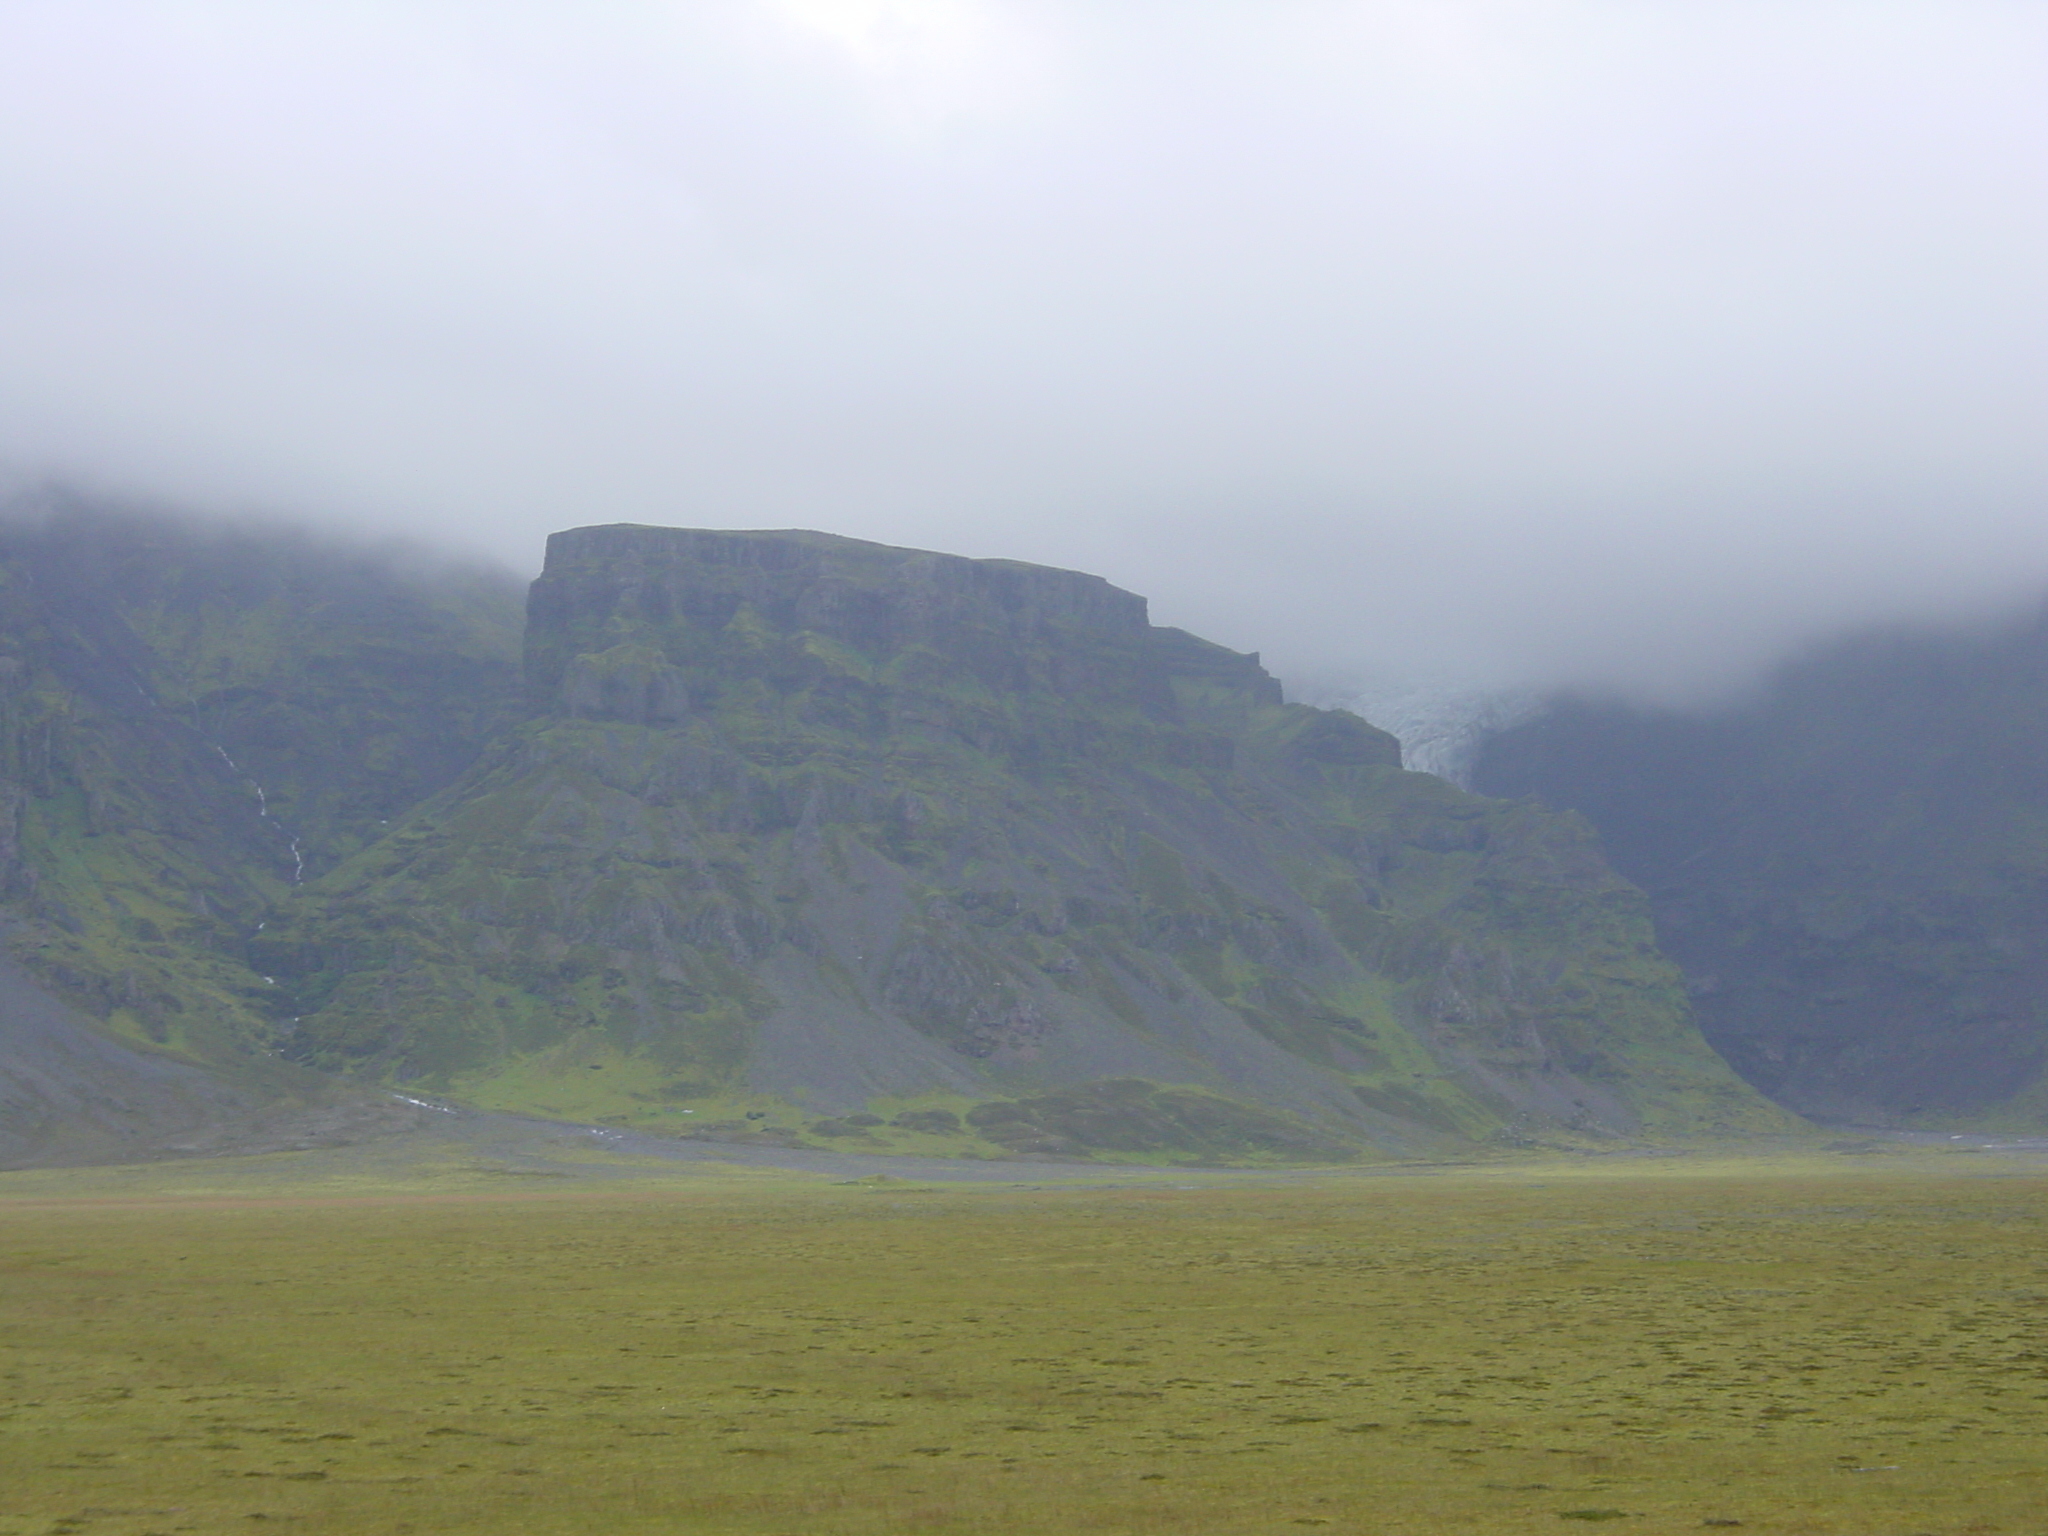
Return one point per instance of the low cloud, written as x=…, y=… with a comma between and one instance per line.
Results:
x=1527, y=343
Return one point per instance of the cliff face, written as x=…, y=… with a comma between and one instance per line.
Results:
x=777, y=836
x=807, y=837
x=1852, y=869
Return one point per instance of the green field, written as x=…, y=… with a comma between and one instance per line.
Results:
x=1813, y=1344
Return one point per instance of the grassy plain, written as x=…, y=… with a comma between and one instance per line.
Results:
x=1815, y=1344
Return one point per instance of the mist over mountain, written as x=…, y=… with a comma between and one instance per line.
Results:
x=780, y=836
x=1850, y=865
x=1518, y=344
x=1437, y=606
x=784, y=837
x=195, y=720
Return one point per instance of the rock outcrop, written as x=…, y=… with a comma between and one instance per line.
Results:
x=809, y=836
x=767, y=836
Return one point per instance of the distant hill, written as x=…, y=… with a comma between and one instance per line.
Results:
x=1852, y=868
x=787, y=837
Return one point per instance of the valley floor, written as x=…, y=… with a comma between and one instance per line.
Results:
x=551, y=1335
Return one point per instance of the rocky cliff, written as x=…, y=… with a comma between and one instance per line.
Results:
x=804, y=837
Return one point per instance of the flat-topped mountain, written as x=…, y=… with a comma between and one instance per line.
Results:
x=762, y=835
x=805, y=836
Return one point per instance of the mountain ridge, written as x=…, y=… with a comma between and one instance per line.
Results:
x=783, y=836
x=887, y=827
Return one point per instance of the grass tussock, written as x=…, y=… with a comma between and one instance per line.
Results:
x=1796, y=1351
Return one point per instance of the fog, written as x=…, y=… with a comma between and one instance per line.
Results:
x=1618, y=344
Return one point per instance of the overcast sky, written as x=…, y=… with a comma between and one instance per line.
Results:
x=1621, y=342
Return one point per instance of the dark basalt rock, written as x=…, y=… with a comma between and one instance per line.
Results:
x=901, y=844
x=830, y=821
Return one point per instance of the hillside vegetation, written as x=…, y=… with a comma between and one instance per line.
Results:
x=195, y=720
x=789, y=837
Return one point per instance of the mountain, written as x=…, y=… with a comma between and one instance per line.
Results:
x=1851, y=868
x=802, y=837
x=194, y=720
x=763, y=836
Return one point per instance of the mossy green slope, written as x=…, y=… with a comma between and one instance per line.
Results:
x=802, y=826
x=194, y=718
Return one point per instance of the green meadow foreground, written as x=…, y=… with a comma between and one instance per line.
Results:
x=1815, y=1344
